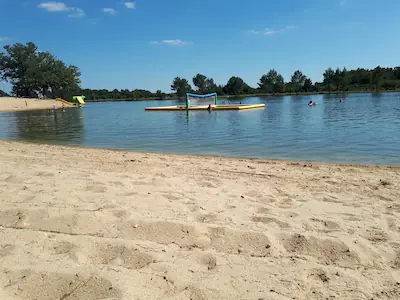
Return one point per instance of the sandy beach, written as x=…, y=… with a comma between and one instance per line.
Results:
x=16, y=104
x=100, y=224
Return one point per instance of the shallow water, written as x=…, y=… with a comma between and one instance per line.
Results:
x=364, y=129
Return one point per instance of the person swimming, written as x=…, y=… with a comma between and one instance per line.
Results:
x=209, y=108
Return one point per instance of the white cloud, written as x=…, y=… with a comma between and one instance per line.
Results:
x=54, y=6
x=252, y=31
x=130, y=5
x=3, y=39
x=171, y=42
x=175, y=42
x=74, y=12
x=269, y=31
x=110, y=11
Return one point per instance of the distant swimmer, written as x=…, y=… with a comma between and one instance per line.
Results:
x=311, y=103
x=341, y=100
x=209, y=108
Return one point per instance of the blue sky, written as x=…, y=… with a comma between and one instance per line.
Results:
x=146, y=43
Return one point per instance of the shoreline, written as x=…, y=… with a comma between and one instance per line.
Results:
x=208, y=156
x=247, y=96
x=14, y=104
x=175, y=225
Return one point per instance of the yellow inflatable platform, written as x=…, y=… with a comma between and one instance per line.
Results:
x=204, y=107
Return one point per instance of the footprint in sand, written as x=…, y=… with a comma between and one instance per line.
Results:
x=164, y=232
x=96, y=188
x=28, y=285
x=13, y=179
x=121, y=214
x=253, y=194
x=328, y=198
x=120, y=255
x=263, y=210
x=324, y=225
x=129, y=194
x=12, y=217
x=62, y=247
x=375, y=235
x=206, y=218
x=396, y=261
x=319, y=275
x=192, y=293
x=6, y=250
x=286, y=203
x=172, y=197
x=240, y=242
x=116, y=183
x=44, y=174
x=208, y=184
x=324, y=250
x=392, y=224
x=268, y=220
x=209, y=260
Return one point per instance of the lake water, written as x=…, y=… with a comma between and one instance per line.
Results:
x=364, y=129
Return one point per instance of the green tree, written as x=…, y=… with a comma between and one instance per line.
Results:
x=376, y=78
x=340, y=79
x=181, y=86
x=220, y=90
x=308, y=85
x=200, y=81
x=203, y=84
x=160, y=95
x=3, y=94
x=329, y=75
x=235, y=86
x=211, y=87
x=34, y=73
x=297, y=80
x=272, y=82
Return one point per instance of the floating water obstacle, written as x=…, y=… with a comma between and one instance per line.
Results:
x=204, y=102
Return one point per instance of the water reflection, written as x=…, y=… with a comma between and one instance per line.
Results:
x=64, y=126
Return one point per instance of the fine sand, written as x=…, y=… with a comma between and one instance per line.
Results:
x=16, y=104
x=99, y=224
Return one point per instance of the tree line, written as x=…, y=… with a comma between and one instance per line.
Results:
x=339, y=80
x=33, y=73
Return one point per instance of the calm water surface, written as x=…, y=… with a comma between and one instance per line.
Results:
x=363, y=129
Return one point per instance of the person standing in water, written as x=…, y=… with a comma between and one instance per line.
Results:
x=209, y=108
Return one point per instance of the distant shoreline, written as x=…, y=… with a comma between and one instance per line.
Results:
x=247, y=95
